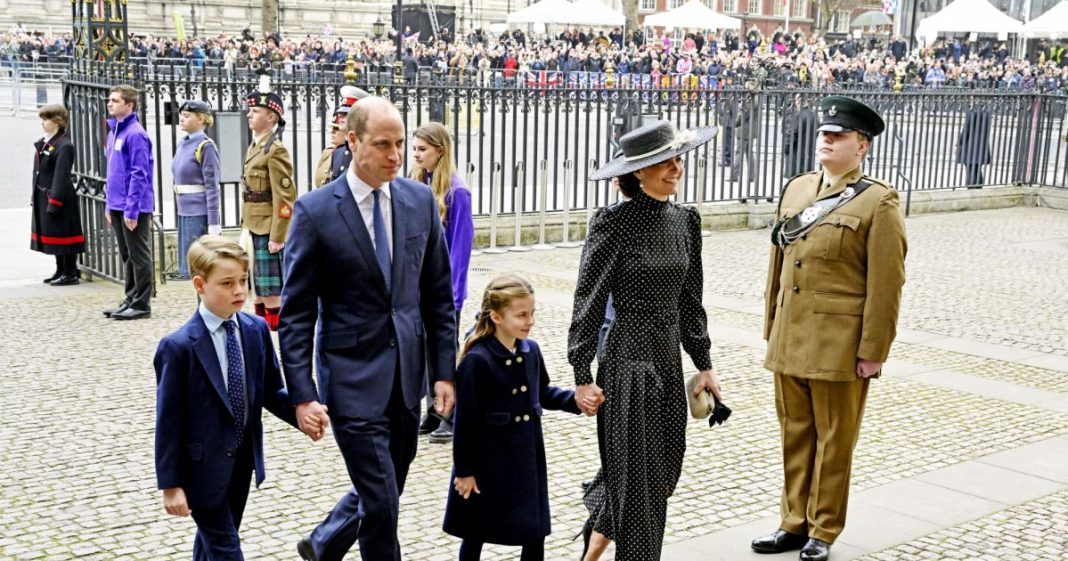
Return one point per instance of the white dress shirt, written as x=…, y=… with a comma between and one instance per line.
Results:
x=214, y=324
x=362, y=192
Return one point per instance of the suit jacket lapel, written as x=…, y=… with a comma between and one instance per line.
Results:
x=353, y=219
x=401, y=214
x=209, y=359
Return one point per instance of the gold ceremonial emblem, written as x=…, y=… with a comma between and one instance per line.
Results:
x=832, y=111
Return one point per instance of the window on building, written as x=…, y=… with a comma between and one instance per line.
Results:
x=647, y=5
x=799, y=8
x=730, y=6
x=840, y=21
x=754, y=7
x=672, y=4
x=778, y=8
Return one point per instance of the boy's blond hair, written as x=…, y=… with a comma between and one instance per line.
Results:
x=208, y=250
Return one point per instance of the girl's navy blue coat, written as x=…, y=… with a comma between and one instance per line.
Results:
x=497, y=438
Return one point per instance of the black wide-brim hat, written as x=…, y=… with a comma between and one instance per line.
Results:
x=651, y=144
x=839, y=113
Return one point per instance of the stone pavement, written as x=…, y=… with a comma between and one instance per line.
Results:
x=964, y=452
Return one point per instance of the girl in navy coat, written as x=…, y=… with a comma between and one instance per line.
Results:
x=500, y=489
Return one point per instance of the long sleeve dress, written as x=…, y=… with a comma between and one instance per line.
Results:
x=647, y=254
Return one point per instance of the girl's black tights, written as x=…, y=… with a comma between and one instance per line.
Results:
x=471, y=550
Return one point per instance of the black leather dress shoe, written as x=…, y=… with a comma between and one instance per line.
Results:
x=66, y=280
x=815, y=550
x=132, y=313
x=54, y=276
x=304, y=548
x=112, y=311
x=429, y=424
x=778, y=542
x=441, y=435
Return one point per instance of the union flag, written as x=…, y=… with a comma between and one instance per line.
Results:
x=543, y=78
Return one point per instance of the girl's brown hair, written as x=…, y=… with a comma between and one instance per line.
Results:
x=500, y=292
x=56, y=113
x=436, y=135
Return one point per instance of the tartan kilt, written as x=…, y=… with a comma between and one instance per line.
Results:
x=266, y=268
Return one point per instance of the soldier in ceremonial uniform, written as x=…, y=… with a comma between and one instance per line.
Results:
x=834, y=285
x=268, y=193
x=335, y=160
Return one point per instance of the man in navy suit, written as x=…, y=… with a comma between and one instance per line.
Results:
x=367, y=263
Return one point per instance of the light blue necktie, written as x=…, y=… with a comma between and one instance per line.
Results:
x=235, y=378
x=381, y=241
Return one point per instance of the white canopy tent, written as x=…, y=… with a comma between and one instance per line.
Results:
x=1053, y=23
x=967, y=16
x=692, y=15
x=592, y=12
x=544, y=11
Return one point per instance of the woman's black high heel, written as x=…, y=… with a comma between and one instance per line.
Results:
x=586, y=533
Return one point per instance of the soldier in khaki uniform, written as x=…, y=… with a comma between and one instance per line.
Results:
x=834, y=286
x=268, y=193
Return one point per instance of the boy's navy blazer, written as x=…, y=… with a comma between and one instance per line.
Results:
x=333, y=282
x=195, y=429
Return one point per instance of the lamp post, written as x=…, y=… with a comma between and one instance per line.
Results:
x=398, y=66
x=378, y=28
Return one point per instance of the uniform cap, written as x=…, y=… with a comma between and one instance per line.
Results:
x=839, y=113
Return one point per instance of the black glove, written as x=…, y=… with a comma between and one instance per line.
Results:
x=719, y=414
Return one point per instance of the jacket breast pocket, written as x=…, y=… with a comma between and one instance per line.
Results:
x=341, y=339
x=196, y=452
x=257, y=180
x=836, y=230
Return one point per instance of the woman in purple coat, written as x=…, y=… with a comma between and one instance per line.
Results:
x=432, y=152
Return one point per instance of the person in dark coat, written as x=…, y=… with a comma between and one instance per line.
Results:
x=57, y=224
x=728, y=110
x=973, y=145
x=747, y=123
x=500, y=488
x=799, y=138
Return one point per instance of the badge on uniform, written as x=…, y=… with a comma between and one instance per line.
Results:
x=285, y=211
x=118, y=144
x=285, y=183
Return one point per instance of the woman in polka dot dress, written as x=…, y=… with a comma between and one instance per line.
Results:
x=646, y=254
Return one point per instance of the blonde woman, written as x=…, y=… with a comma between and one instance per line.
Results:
x=432, y=152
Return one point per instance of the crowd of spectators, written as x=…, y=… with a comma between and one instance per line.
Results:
x=722, y=59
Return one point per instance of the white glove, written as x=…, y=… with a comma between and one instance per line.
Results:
x=215, y=229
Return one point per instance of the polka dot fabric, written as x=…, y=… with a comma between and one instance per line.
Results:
x=235, y=377
x=646, y=254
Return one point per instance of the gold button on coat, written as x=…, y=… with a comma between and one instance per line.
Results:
x=522, y=388
x=519, y=359
x=526, y=417
x=508, y=362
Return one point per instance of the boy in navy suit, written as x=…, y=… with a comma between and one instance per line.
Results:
x=214, y=376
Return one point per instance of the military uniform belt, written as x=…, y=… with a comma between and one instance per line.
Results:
x=188, y=189
x=791, y=228
x=256, y=196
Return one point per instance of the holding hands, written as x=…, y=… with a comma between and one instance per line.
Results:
x=312, y=419
x=589, y=398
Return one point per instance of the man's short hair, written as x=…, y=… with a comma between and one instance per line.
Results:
x=127, y=92
x=208, y=250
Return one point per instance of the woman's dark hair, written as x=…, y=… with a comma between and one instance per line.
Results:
x=629, y=185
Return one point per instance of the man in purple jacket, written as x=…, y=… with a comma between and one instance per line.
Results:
x=130, y=200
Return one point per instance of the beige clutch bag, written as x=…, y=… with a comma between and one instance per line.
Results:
x=702, y=404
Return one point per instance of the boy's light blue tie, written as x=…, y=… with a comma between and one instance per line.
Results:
x=235, y=378
x=381, y=241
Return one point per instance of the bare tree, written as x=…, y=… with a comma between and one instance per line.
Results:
x=630, y=10
x=269, y=17
x=828, y=8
